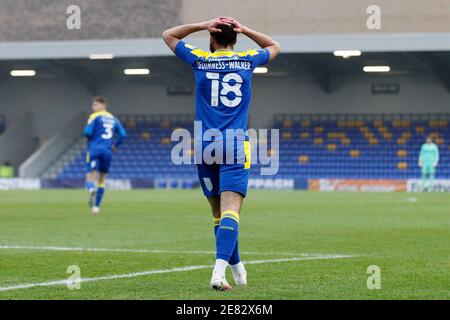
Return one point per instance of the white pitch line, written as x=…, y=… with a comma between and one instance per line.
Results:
x=57, y=248
x=150, y=272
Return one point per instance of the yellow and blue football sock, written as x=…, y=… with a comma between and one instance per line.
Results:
x=235, y=257
x=227, y=235
x=99, y=195
x=216, y=222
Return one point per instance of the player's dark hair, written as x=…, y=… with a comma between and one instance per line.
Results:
x=225, y=38
x=100, y=99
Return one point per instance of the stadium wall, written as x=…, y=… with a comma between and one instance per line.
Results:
x=28, y=20
x=322, y=185
x=54, y=103
x=17, y=143
x=51, y=102
x=326, y=16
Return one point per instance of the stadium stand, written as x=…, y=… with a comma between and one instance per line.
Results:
x=145, y=153
x=311, y=146
x=358, y=146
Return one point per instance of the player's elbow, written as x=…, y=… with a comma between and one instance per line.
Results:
x=276, y=47
x=166, y=35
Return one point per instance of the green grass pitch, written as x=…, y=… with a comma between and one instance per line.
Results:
x=406, y=235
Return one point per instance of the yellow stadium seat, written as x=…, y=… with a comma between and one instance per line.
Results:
x=165, y=140
x=420, y=129
x=165, y=124
x=303, y=159
x=332, y=135
x=131, y=124
x=402, y=165
x=364, y=129
x=305, y=123
x=345, y=141
x=401, y=141
x=373, y=141
x=318, y=141
x=402, y=153
x=331, y=147
x=406, y=135
x=287, y=135
x=318, y=129
x=145, y=136
x=355, y=153
x=287, y=123
x=377, y=123
x=387, y=135
x=396, y=123
x=304, y=135
x=437, y=123
x=434, y=135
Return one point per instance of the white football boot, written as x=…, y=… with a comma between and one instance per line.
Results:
x=219, y=283
x=239, y=274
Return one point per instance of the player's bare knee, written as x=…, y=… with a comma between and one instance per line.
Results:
x=231, y=201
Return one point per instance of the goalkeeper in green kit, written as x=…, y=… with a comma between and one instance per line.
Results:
x=428, y=161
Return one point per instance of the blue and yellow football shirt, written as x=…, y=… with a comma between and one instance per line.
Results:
x=223, y=84
x=100, y=131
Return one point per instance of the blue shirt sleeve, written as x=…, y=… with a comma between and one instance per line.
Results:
x=121, y=132
x=89, y=129
x=187, y=52
x=261, y=57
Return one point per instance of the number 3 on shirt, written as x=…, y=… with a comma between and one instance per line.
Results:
x=226, y=87
x=108, y=131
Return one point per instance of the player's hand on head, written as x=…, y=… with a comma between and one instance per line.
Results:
x=211, y=25
x=238, y=27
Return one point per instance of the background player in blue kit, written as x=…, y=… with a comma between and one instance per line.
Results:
x=223, y=93
x=100, y=131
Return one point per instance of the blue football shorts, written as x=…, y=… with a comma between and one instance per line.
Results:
x=98, y=161
x=216, y=178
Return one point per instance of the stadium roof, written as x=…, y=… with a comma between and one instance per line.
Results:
x=168, y=71
x=290, y=44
